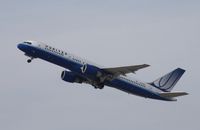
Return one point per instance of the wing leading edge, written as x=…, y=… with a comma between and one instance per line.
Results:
x=124, y=70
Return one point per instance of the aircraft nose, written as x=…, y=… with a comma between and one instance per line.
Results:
x=21, y=46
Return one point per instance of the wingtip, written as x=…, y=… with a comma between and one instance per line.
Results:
x=147, y=65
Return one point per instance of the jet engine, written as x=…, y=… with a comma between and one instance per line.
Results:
x=70, y=77
x=91, y=71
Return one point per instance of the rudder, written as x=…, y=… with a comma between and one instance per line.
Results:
x=168, y=81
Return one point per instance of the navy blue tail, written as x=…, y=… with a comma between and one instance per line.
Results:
x=167, y=82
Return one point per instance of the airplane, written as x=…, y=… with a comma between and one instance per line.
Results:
x=78, y=70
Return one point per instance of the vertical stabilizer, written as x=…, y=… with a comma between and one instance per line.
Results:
x=167, y=82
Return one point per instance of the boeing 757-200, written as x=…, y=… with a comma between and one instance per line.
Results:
x=81, y=71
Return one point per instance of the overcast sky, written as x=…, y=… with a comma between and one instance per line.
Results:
x=164, y=34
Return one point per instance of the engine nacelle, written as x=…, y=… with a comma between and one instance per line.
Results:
x=90, y=70
x=70, y=77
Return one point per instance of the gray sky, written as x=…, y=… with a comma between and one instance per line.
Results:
x=164, y=34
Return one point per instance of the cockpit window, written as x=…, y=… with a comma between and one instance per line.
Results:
x=28, y=43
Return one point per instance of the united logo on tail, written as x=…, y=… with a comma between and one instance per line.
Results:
x=167, y=82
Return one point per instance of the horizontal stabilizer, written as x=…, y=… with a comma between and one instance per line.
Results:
x=172, y=94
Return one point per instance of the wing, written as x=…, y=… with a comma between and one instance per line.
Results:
x=124, y=70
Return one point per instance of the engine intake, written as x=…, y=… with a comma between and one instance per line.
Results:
x=70, y=77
